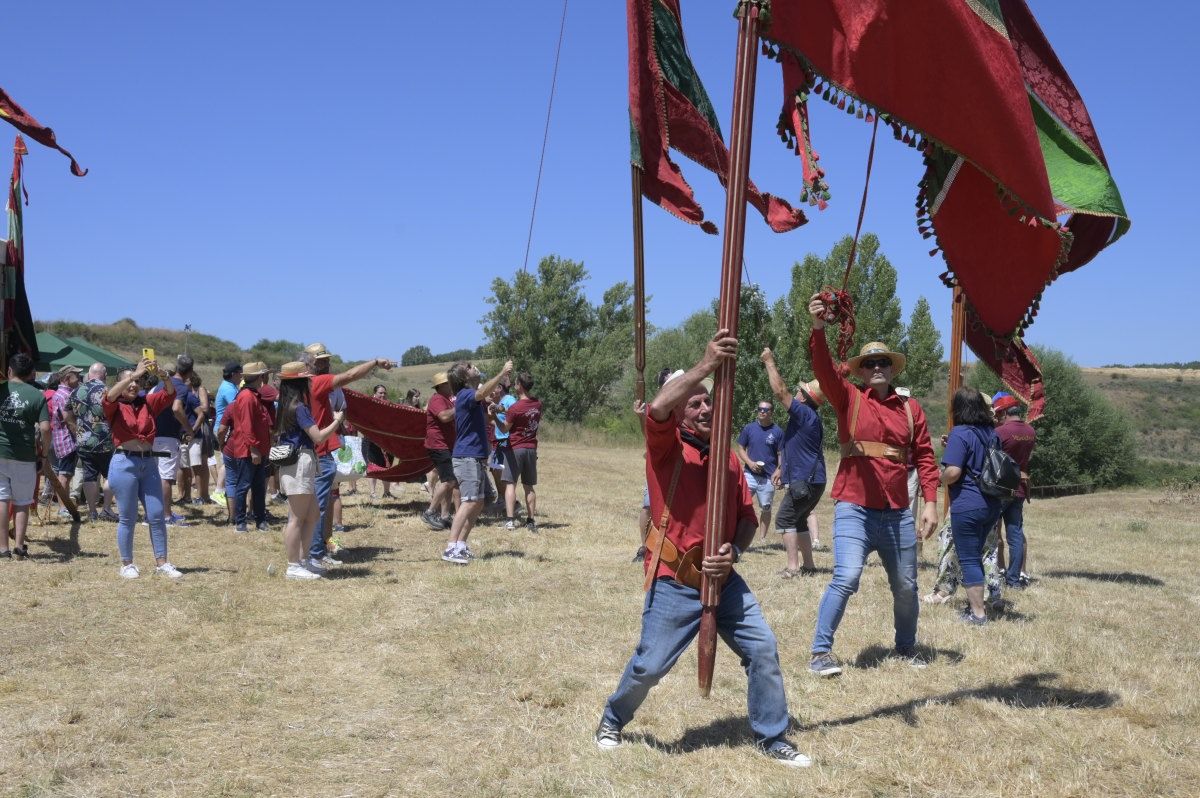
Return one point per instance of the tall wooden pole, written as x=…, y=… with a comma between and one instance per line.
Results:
x=957, y=320
x=639, y=289
x=746, y=65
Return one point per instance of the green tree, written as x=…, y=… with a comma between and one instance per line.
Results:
x=546, y=324
x=1082, y=437
x=872, y=286
x=417, y=355
x=923, y=345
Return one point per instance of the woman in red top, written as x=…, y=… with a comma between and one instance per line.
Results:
x=877, y=428
x=133, y=472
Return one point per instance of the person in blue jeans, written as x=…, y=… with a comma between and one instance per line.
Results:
x=973, y=513
x=133, y=472
x=877, y=430
x=678, y=428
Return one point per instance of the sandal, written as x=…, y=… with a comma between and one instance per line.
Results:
x=936, y=598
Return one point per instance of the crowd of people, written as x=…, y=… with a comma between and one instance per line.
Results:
x=884, y=445
x=143, y=443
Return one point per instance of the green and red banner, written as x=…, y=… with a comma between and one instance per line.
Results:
x=1016, y=189
x=669, y=109
x=16, y=318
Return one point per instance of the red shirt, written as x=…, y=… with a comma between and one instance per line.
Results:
x=439, y=434
x=1018, y=439
x=251, y=426
x=269, y=395
x=322, y=413
x=874, y=482
x=135, y=420
x=523, y=419
x=685, y=526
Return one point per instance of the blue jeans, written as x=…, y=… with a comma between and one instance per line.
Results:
x=671, y=618
x=248, y=478
x=1014, y=531
x=230, y=481
x=326, y=476
x=134, y=481
x=970, y=529
x=857, y=531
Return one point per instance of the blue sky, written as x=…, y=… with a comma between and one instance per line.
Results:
x=359, y=174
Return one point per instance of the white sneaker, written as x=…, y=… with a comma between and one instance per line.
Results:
x=510, y=525
x=168, y=570
x=455, y=556
x=130, y=571
x=297, y=571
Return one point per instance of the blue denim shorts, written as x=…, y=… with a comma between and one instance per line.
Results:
x=762, y=487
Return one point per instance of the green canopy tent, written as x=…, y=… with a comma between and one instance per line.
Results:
x=57, y=352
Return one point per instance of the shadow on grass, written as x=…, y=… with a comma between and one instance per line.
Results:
x=1030, y=691
x=65, y=549
x=765, y=548
x=876, y=655
x=358, y=554
x=1122, y=577
x=347, y=573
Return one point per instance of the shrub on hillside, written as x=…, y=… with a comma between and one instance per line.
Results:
x=1082, y=438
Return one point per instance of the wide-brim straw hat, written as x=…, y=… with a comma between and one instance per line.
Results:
x=255, y=369
x=317, y=350
x=440, y=378
x=812, y=389
x=294, y=371
x=878, y=349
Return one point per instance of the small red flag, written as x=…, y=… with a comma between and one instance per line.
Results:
x=19, y=118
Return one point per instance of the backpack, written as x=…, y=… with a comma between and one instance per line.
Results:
x=1000, y=476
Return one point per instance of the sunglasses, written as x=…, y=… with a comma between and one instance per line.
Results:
x=764, y=410
x=881, y=362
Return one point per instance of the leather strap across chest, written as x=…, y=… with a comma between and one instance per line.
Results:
x=860, y=448
x=685, y=566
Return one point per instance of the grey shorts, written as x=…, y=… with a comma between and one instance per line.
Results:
x=521, y=466
x=471, y=473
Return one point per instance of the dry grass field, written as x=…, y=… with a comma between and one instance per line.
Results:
x=404, y=675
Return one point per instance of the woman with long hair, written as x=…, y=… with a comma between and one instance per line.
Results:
x=294, y=425
x=973, y=513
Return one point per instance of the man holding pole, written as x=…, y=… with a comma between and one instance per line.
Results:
x=678, y=431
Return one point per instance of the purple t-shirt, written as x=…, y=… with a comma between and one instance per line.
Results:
x=470, y=426
x=298, y=435
x=966, y=448
x=762, y=443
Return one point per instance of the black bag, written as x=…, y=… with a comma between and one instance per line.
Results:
x=283, y=454
x=1000, y=476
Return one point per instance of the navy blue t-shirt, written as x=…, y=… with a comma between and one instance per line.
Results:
x=966, y=448
x=470, y=426
x=298, y=435
x=762, y=443
x=165, y=423
x=802, y=457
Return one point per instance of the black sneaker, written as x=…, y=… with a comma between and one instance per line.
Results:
x=824, y=665
x=20, y=552
x=786, y=754
x=971, y=619
x=608, y=735
x=531, y=525
x=911, y=657
x=432, y=521
x=5, y=555
x=447, y=521
x=640, y=554
x=264, y=527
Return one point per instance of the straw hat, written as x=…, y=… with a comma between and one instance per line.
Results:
x=440, y=378
x=812, y=389
x=317, y=350
x=255, y=369
x=878, y=349
x=294, y=371
x=65, y=370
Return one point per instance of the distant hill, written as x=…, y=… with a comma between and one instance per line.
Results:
x=127, y=338
x=1162, y=403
